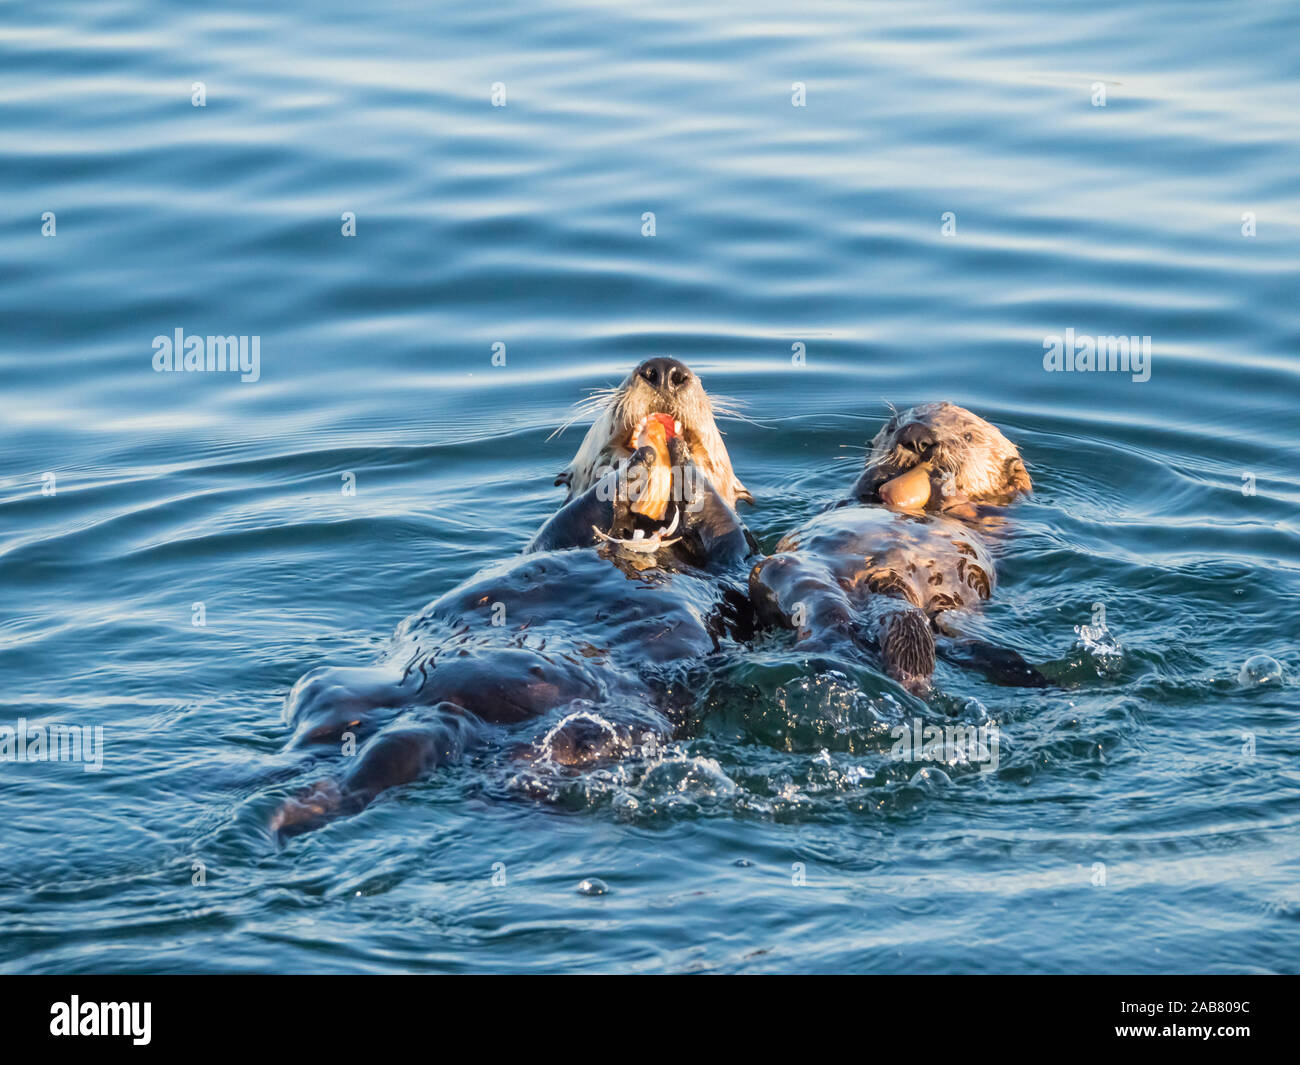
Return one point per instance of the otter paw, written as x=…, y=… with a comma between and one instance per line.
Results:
x=308, y=810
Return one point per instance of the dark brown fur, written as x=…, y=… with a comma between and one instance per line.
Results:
x=866, y=574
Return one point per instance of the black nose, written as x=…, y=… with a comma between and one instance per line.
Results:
x=667, y=375
x=916, y=436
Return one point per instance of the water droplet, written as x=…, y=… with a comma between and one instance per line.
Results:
x=929, y=778
x=1259, y=670
x=1098, y=641
x=593, y=886
x=700, y=779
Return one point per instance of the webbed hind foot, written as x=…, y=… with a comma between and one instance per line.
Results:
x=404, y=751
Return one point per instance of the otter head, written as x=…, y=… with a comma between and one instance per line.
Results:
x=941, y=457
x=657, y=386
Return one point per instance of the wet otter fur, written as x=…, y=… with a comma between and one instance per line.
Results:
x=869, y=575
x=560, y=655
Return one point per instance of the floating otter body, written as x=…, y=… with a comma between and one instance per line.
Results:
x=564, y=651
x=887, y=567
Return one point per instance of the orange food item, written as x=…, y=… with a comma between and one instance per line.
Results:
x=908, y=491
x=658, y=489
x=665, y=420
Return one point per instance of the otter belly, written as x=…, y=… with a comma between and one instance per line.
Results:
x=518, y=640
x=561, y=637
x=580, y=602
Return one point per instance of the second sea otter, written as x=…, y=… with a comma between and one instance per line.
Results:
x=888, y=567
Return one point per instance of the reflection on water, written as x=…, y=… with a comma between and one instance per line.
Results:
x=178, y=548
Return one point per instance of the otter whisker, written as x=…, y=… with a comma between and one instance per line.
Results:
x=732, y=416
x=564, y=425
x=732, y=408
x=593, y=404
x=728, y=404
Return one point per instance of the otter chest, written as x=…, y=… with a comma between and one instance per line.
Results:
x=935, y=563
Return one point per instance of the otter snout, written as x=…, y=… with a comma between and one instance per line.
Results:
x=917, y=437
x=665, y=375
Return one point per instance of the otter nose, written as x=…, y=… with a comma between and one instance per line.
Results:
x=666, y=375
x=916, y=436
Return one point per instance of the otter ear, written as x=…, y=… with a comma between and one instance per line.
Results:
x=742, y=494
x=1018, y=477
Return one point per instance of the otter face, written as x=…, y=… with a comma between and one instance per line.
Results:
x=657, y=386
x=939, y=457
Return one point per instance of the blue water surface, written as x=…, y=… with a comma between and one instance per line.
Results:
x=962, y=181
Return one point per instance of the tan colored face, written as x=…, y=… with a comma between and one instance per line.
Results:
x=658, y=386
x=938, y=457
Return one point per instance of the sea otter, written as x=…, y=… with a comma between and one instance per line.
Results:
x=570, y=653
x=887, y=567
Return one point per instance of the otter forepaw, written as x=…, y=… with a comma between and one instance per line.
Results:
x=907, y=649
x=679, y=452
x=1001, y=665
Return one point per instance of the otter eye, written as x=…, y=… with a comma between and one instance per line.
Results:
x=970, y=437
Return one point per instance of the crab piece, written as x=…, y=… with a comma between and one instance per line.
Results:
x=641, y=544
x=670, y=426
